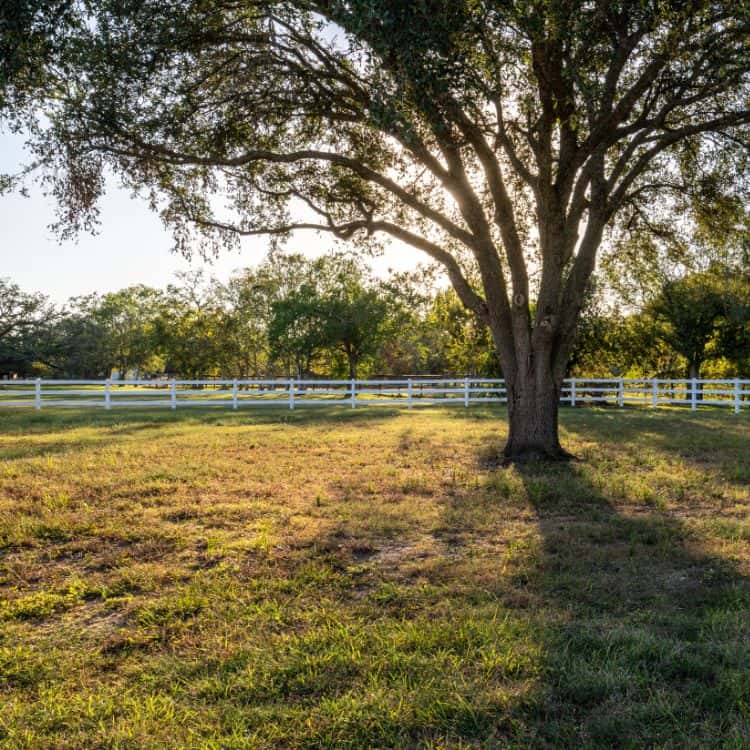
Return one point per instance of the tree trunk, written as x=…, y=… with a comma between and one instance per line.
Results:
x=533, y=402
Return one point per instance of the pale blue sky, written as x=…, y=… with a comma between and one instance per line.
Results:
x=132, y=246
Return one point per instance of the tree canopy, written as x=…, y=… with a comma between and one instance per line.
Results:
x=509, y=141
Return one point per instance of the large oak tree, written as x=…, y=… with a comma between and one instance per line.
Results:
x=508, y=140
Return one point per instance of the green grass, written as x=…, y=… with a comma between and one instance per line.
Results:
x=337, y=579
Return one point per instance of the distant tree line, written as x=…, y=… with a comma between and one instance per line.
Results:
x=288, y=317
x=297, y=317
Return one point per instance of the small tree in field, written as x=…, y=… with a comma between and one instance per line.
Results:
x=296, y=330
x=355, y=322
x=689, y=311
x=507, y=140
x=334, y=308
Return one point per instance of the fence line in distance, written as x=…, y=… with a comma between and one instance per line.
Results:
x=292, y=393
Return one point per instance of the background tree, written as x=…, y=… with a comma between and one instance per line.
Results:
x=244, y=330
x=23, y=318
x=354, y=310
x=407, y=344
x=297, y=330
x=688, y=310
x=249, y=298
x=333, y=307
x=125, y=322
x=734, y=327
x=188, y=327
x=354, y=322
x=462, y=342
x=77, y=347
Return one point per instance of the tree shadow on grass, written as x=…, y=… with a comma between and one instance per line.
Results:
x=541, y=610
x=644, y=629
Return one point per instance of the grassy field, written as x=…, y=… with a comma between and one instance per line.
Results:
x=370, y=579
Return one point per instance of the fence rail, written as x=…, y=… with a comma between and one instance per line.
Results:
x=236, y=394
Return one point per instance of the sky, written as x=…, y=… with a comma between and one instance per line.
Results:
x=131, y=247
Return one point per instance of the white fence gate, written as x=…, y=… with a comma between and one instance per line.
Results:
x=290, y=394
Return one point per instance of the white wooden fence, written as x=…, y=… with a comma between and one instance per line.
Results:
x=290, y=394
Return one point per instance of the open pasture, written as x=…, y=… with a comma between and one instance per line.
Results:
x=372, y=579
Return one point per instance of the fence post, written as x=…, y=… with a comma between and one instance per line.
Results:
x=654, y=393
x=693, y=394
x=234, y=394
x=354, y=393
x=107, y=395
x=572, y=391
x=291, y=393
x=466, y=391
x=173, y=393
x=736, y=395
x=620, y=392
x=38, y=394
x=409, y=392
